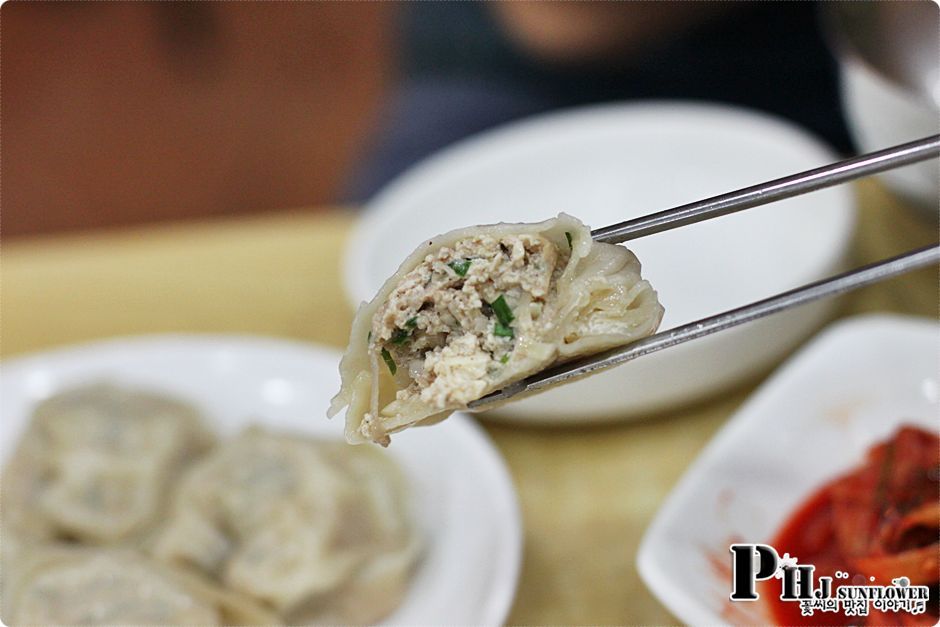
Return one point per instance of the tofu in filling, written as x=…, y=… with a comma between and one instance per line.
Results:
x=454, y=324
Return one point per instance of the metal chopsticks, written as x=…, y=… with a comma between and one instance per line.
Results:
x=778, y=189
x=839, y=284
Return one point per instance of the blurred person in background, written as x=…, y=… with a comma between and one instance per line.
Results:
x=125, y=112
x=468, y=66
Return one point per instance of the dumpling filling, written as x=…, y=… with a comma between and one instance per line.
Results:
x=476, y=309
x=453, y=321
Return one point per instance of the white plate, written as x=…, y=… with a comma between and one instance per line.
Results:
x=611, y=163
x=815, y=418
x=463, y=493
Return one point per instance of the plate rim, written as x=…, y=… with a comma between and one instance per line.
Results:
x=367, y=226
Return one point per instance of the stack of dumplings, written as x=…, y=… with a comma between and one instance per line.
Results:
x=120, y=507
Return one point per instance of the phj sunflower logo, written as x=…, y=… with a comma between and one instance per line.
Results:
x=751, y=563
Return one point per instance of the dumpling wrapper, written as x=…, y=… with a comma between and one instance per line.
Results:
x=314, y=530
x=438, y=321
x=68, y=585
x=96, y=463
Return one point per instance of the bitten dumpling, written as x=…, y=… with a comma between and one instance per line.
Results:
x=96, y=462
x=316, y=531
x=478, y=308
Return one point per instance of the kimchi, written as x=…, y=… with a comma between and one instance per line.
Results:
x=879, y=521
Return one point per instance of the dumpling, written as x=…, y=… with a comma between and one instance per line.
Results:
x=316, y=531
x=475, y=309
x=102, y=588
x=96, y=462
x=70, y=586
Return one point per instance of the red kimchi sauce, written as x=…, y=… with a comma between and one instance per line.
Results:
x=880, y=520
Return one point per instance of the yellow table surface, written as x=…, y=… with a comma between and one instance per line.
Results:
x=587, y=494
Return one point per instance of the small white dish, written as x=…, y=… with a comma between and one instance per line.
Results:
x=463, y=495
x=814, y=419
x=610, y=163
x=890, y=84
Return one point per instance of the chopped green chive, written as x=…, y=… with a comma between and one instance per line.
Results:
x=460, y=266
x=389, y=361
x=400, y=336
x=504, y=358
x=501, y=330
x=504, y=316
x=568, y=236
x=502, y=311
x=369, y=337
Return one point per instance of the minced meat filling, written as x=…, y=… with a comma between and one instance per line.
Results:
x=453, y=322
